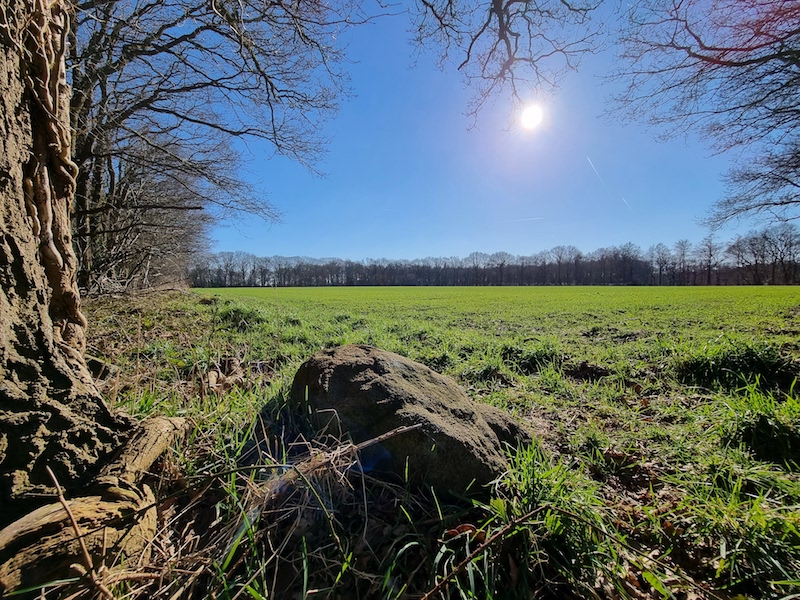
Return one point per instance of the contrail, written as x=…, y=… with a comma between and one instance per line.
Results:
x=604, y=183
x=528, y=219
x=598, y=175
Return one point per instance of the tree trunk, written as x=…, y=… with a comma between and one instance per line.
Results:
x=56, y=434
x=51, y=414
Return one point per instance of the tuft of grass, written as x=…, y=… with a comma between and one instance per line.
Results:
x=735, y=363
x=239, y=317
x=745, y=532
x=769, y=439
x=486, y=368
x=766, y=427
x=438, y=360
x=526, y=358
x=564, y=543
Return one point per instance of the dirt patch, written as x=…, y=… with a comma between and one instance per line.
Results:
x=586, y=371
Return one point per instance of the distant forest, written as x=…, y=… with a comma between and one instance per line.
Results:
x=769, y=256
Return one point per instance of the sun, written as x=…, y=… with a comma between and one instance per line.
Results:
x=532, y=116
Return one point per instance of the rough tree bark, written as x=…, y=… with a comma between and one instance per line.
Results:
x=51, y=414
x=50, y=411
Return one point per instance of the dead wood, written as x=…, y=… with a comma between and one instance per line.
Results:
x=139, y=454
x=41, y=547
x=117, y=519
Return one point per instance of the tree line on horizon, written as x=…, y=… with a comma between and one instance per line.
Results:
x=770, y=256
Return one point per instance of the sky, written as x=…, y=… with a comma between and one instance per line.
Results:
x=407, y=175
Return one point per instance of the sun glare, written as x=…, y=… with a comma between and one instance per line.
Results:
x=532, y=116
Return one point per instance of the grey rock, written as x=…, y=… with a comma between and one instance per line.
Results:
x=365, y=392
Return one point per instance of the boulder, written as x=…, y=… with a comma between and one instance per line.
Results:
x=365, y=392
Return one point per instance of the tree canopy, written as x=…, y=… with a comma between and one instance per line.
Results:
x=731, y=70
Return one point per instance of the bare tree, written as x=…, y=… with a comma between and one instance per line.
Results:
x=768, y=186
x=478, y=262
x=681, y=256
x=630, y=258
x=732, y=69
x=751, y=255
x=784, y=247
x=707, y=254
x=147, y=234
x=166, y=85
x=660, y=257
x=559, y=254
x=499, y=261
x=540, y=262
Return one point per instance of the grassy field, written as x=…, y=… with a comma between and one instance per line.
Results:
x=667, y=464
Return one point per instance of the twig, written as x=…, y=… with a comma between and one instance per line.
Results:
x=480, y=549
x=120, y=577
x=387, y=435
x=106, y=593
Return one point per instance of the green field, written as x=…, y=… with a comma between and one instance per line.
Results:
x=668, y=420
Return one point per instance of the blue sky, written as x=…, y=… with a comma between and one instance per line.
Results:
x=406, y=176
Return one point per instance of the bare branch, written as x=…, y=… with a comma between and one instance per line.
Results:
x=509, y=45
x=729, y=69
